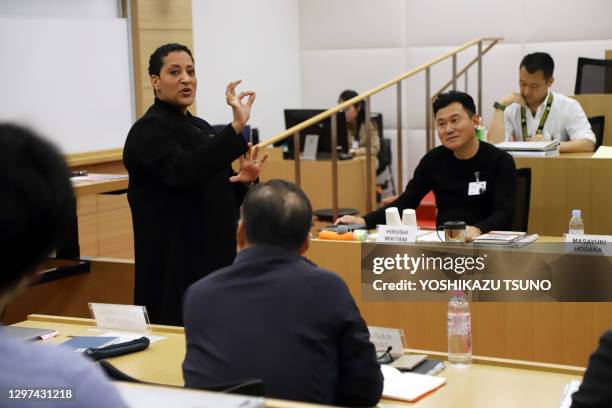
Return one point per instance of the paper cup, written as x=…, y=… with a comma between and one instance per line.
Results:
x=409, y=217
x=393, y=217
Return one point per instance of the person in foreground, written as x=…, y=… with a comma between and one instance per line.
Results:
x=473, y=181
x=275, y=316
x=537, y=113
x=183, y=194
x=35, y=209
x=595, y=390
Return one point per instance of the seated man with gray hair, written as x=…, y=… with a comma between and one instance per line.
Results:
x=275, y=316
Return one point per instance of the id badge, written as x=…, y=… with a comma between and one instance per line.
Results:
x=477, y=188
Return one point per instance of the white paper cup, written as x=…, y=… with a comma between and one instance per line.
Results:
x=393, y=217
x=409, y=217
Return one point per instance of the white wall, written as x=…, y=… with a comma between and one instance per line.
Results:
x=361, y=43
x=70, y=9
x=68, y=77
x=256, y=41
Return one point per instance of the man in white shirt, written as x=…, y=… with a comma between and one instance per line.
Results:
x=537, y=113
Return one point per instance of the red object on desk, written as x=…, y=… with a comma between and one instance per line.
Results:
x=426, y=212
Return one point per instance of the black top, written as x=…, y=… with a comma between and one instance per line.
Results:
x=275, y=316
x=184, y=209
x=449, y=178
x=595, y=390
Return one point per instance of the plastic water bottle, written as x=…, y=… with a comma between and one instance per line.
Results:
x=481, y=133
x=576, y=225
x=459, y=330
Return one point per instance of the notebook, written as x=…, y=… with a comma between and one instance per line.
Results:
x=80, y=343
x=499, y=237
x=542, y=145
x=408, y=362
x=429, y=367
x=408, y=386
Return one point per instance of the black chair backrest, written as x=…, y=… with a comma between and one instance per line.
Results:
x=598, y=124
x=523, y=197
x=253, y=387
x=594, y=76
x=384, y=154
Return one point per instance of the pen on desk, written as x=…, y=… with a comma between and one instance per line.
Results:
x=436, y=369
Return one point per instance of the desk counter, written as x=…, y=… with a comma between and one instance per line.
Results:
x=548, y=332
x=488, y=382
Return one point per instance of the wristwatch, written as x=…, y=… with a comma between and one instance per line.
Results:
x=499, y=106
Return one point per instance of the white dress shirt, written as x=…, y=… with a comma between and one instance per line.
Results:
x=566, y=120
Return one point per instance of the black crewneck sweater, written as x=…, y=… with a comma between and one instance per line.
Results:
x=449, y=178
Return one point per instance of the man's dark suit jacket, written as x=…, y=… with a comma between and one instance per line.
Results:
x=274, y=315
x=596, y=387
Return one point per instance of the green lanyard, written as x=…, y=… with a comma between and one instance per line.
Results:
x=542, y=121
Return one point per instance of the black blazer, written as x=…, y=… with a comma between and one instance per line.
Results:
x=596, y=387
x=274, y=315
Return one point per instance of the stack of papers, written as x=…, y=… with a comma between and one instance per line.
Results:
x=499, y=237
x=408, y=386
x=544, y=148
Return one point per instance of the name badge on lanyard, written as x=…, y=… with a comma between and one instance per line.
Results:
x=477, y=187
x=540, y=129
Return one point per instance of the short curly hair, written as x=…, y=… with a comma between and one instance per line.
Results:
x=156, y=60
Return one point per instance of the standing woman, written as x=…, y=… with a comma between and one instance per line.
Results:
x=356, y=128
x=182, y=191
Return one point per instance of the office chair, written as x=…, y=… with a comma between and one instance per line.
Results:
x=520, y=221
x=251, y=387
x=594, y=76
x=383, y=160
x=598, y=125
x=384, y=173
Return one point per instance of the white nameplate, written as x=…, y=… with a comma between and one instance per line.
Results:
x=120, y=317
x=310, y=147
x=384, y=337
x=396, y=233
x=589, y=244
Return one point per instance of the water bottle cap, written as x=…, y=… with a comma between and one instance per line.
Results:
x=576, y=213
x=457, y=292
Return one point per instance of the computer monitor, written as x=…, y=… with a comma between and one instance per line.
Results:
x=321, y=129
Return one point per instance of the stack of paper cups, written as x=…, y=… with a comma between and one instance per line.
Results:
x=409, y=217
x=393, y=217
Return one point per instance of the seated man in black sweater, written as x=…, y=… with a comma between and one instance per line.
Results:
x=473, y=181
x=275, y=316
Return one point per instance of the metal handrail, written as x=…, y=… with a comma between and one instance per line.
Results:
x=294, y=131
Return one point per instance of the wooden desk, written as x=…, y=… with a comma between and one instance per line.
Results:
x=559, y=333
x=560, y=184
x=488, y=382
x=104, y=219
x=108, y=281
x=316, y=180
